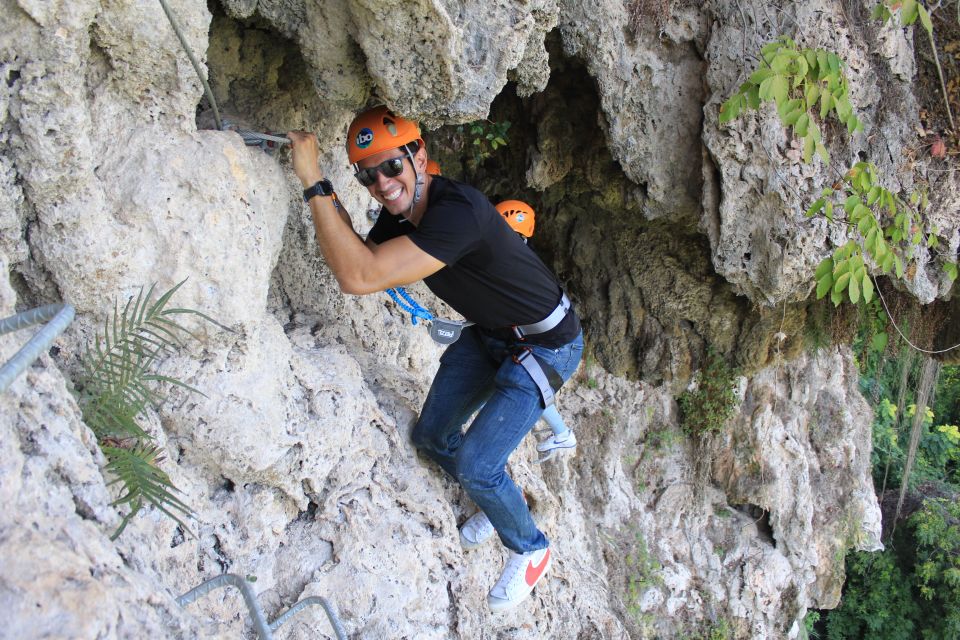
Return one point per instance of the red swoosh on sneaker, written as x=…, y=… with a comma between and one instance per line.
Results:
x=535, y=571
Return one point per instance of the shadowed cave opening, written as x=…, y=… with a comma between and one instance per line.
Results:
x=648, y=295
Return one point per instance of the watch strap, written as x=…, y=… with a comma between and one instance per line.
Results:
x=321, y=188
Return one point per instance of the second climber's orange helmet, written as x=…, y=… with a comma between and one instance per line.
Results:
x=519, y=215
x=376, y=130
x=433, y=168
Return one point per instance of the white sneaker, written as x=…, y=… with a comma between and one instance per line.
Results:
x=475, y=531
x=520, y=575
x=566, y=443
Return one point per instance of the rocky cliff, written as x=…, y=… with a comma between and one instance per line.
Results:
x=671, y=233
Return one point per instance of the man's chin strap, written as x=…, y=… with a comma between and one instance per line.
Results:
x=418, y=188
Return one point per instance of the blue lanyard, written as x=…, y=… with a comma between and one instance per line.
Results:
x=411, y=306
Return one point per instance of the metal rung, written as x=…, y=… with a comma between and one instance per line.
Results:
x=60, y=315
x=264, y=630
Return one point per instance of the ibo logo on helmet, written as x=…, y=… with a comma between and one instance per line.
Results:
x=364, y=138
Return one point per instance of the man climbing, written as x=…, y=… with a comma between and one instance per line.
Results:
x=525, y=342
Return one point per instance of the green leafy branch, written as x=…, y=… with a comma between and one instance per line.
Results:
x=888, y=227
x=483, y=137
x=116, y=385
x=796, y=80
x=910, y=11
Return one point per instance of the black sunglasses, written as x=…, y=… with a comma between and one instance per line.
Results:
x=389, y=168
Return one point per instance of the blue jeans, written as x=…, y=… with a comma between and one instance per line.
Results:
x=478, y=371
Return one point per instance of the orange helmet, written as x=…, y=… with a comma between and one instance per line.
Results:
x=519, y=215
x=433, y=168
x=376, y=130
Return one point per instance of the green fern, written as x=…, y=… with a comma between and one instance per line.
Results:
x=136, y=468
x=116, y=368
x=116, y=385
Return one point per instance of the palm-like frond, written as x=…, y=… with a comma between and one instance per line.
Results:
x=116, y=367
x=117, y=384
x=143, y=481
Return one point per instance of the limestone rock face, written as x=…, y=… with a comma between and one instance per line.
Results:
x=668, y=231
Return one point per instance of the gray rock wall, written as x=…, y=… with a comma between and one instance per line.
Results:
x=297, y=462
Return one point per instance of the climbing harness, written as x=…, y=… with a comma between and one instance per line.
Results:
x=546, y=378
x=551, y=321
x=266, y=141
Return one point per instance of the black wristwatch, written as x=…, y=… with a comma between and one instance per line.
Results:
x=322, y=188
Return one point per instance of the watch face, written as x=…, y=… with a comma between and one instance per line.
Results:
x=322, y=188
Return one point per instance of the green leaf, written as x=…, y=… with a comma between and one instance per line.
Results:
x=781, y=61
x=780, y=88
x=951, y=269
x=836, y=298
x=809, y=146
x=815, y=208
x=730, y=109
x=802, y=123
x=802, y=69
x=841, y=283
x=825, y=267
x=853, y=124
x=822, y=65
x=899, y=264
x=822, y=152
x=829, y=208
x=824, y=285
x=879, y=342
x=766, y=88
x=867, y=286
x=860, y=211
x=850, y=203
x=887, y=262
x=811, y=94
x=788, y=106
x=791, y=118
x=826, y=103
x=840, y=267
x=881, y=249
x=908, y=12
x=854, y=290
x=753, y=97
x=873, y=195
x=771, y=48
x=833, y=60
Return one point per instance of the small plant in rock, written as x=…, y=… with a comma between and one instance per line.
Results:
x=713, y=401
x=117, y=383
x=644, y=573
x=482, y=138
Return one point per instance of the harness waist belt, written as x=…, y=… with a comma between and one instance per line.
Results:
x=552, y=320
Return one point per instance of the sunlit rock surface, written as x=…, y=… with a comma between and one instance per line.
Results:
x=670, y=232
